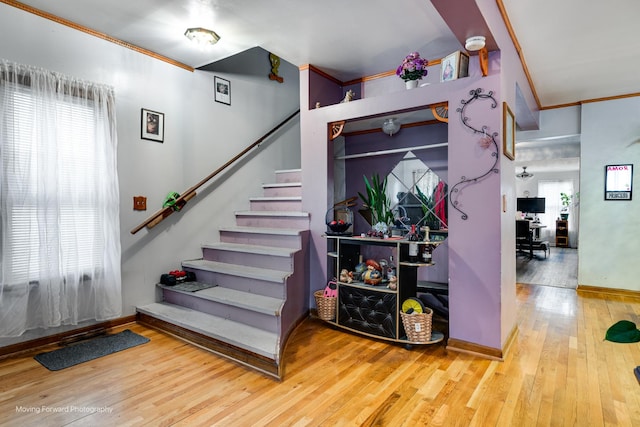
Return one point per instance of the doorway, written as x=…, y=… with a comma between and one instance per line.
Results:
x=549, y=180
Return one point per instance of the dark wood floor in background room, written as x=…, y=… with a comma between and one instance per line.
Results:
x=558, y=269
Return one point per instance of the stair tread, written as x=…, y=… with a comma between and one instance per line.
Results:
x=264, y=230
x=240, y=299
x=273, y=213
x=244, y=336
x=252, y=249
x=275, y=198
x=288, y=170
x=265, y=274
x=282, y=184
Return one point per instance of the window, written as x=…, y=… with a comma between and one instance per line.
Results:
x=60, y=229
x=81, y=245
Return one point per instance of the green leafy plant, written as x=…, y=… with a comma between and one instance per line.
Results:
x=568, y=199
x=427, y=203
x=376, y=200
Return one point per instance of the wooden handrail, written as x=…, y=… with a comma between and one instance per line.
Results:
x=188, y=194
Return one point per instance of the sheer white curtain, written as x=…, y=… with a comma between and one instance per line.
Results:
x=551, y=190
x=60, y=261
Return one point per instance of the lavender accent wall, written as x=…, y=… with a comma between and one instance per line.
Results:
x=322, y=90
x=474, y=244
x=482, y=247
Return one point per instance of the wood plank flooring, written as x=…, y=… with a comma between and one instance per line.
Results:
x=559, y=372
x=560, y=268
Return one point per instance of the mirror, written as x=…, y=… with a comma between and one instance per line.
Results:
x=418, y=194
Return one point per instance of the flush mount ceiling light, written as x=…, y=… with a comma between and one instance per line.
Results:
x=475, y=43
x=202, y=36
x=391, y=126
x=524, y=175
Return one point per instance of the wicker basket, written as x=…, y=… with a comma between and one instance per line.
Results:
x=326, y=306
x=418, y=325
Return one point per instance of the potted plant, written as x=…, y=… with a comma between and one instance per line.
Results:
x=412, y=69
x=566, y=200
x=377, y=204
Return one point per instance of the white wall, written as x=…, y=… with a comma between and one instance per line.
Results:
x=609, y=134
x=609, y=230
x=200, y=135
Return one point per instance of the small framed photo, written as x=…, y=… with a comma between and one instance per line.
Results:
x=222, y=90
x=454, y=66
x=508, y=132
x=152, y=125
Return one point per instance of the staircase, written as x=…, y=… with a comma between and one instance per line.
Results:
x=259, y=269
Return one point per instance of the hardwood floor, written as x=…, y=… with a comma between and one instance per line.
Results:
x=560, y=268
x=558, y=372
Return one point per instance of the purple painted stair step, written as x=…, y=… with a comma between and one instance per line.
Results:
x=276, y=219
x=291, y=203
x=288, y=175
x=285, y=189
x=253, y=255
x=256, y=340
x=259, y=311
x=268, y=236
x=244, y=300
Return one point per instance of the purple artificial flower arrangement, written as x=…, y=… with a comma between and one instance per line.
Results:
x=412, y=68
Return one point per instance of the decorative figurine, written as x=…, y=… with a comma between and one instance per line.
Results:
x=373, y=274
x=346, y=276
x=393, y=283
x=348, y=97
x=275, y=63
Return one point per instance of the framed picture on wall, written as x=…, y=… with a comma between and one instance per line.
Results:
x=222, y=90
x=508, y=132
x=454, y=66
x=152, y=125
x=617, y=182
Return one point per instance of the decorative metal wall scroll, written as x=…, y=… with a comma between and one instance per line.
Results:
x=487, y=140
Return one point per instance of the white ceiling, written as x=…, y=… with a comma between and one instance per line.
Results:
x=574, y=49
x=578, y=50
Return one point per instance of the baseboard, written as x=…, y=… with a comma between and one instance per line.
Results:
x=481, y=350
x=585, y=290
x=72, y=335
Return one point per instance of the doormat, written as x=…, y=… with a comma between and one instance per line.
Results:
x=89, y=350
x=190, y=286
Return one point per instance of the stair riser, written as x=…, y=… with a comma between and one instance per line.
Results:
x=288, y=176
x=272, y=222
x=276, y=205
x=236, y=314
x=293, y=191
x=249, y=259
x=276, y=240
x=238, y=283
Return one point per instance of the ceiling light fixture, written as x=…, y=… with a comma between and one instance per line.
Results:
x=202, y=36
x=391, y=126
x=475, y=43
x=524, y=175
